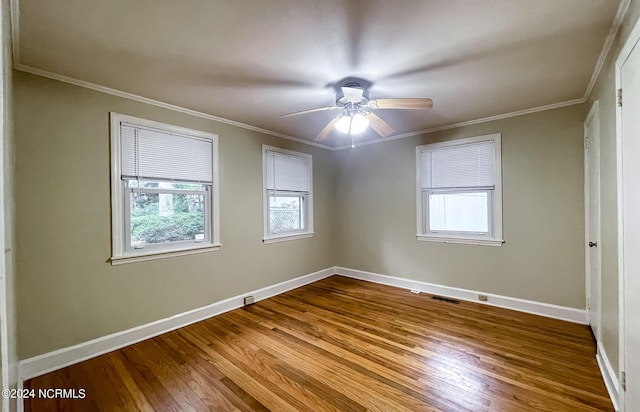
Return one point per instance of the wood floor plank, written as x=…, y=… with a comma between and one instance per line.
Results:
x=342, y=344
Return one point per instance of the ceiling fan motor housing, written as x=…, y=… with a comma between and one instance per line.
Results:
x=352, y=94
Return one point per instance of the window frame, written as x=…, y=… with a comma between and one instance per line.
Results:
x=307, y=200
x=426, y=221
x=304, y=202
x=494, y=201
x=121, y=249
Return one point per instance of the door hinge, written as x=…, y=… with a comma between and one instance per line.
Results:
x=588, y=303
x=586, y=142
x=623, y=380
x=619, y=97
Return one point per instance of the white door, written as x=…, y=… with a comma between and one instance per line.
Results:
x=628, y=78
x=592, y=217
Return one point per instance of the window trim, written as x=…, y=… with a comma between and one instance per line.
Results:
x=120, y=193
x=268, y=238
x=494, y=237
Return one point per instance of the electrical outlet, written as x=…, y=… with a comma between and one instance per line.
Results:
x=483, y=298
x=248, y=300
x=416, y=291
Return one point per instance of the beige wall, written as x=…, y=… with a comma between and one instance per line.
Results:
x=604, y=92
x=67, y=292
x=543, y=257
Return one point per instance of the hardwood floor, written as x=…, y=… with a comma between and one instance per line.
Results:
x=346, y=345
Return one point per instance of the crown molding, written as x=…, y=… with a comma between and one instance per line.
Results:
x=470, y=122
x=17, y=65
x=602, y=58
x=15, y=32
x=141, y=99
x=606, y=48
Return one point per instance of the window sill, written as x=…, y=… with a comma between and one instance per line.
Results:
x=467, y=241
x=285, y=238
x=161, y=254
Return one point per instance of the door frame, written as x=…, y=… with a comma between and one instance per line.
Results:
x=623, y=55
x=593, y=116
x=5, y=371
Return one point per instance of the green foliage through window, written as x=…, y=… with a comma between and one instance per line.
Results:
x=158, y=218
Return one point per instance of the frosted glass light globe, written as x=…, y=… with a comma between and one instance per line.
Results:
x=342, y=125
x=358, y=124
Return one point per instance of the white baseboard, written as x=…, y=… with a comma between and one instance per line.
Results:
x=48, y=362
x=608, y=375
x=537, y=308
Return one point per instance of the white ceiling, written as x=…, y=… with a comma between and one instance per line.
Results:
x=252, y=60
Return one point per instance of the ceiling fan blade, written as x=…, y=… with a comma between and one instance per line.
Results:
x=352, y=93
x=380, y=126
x=415, y=104
x=327, y=129
x=320, y=109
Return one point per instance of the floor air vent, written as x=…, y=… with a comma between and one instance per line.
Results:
x=442, y=298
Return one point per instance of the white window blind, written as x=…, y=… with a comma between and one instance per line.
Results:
x=464, y=166
x=152, y=154
x=287, y=173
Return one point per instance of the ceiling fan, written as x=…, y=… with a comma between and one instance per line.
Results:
x=357, y=111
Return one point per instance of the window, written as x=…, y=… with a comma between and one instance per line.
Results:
x=164, y=190
x=288, y=194
x=459, y=193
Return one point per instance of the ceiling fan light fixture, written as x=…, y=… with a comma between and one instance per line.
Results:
x=356, y=123
x=359, y=123
x=358, y=111
x=342, y=125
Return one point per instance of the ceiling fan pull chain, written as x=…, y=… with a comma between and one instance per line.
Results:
x=350, y=123
x=353, y=141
